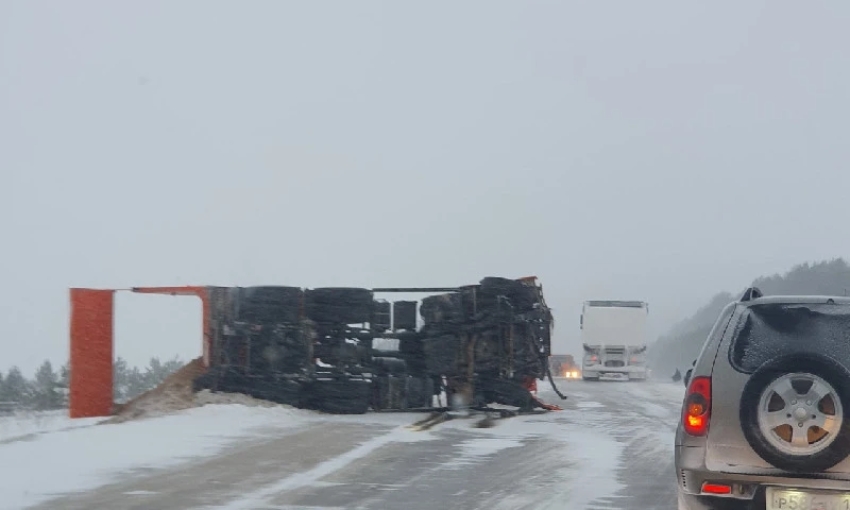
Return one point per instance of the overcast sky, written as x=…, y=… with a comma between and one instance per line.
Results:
x=661, y=151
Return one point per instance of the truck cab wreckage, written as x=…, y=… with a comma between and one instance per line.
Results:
x=341, y=350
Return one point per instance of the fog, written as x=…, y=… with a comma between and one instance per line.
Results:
x=661, y=151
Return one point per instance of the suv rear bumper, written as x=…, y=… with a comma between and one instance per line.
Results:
x=748, y=489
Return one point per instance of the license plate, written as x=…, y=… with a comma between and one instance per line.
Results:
x=793, y=499
x=613, y=375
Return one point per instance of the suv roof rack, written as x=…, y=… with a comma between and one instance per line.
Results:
x=751, y=294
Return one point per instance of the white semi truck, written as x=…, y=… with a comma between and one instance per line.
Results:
x=614, y=337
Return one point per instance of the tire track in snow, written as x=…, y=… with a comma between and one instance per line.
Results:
x=261, y=498
x=643, y=417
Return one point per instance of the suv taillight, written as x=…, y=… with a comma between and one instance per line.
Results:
x=697, y=411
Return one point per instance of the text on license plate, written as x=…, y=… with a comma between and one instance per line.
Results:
x=790, y=499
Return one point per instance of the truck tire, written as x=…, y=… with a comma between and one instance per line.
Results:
x=270, y=304
x=340, y=305
x=206, y=381
x=385, y=365
x=410, y=348
x=440, y=354
x=338, y=396
x=506, y=392
x=404, y=315
x=441, y=309
x=522, y=297
x=223, y=380
x=390, y=392
x=279, y=391
x=761, y=397
x=420, y=392
x=381, y=313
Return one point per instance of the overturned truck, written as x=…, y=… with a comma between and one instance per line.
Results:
x=341, y=350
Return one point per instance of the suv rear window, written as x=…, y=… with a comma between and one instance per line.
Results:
x=770, y=330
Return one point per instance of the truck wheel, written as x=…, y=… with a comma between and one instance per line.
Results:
x=795, y=412
x=420, y=392
x=338, y=396
x=391, y=392
x=385, y=365
x=280, y=391
x=206, y=381
x=521, y=296
x=228, y=380
x=410, y=348
x=340, y=305
x=270, y=304
x=440, y=354
x=441, y=309
x=506, y=392
x=381, y=313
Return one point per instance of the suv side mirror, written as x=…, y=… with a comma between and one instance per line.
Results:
x=687, y=378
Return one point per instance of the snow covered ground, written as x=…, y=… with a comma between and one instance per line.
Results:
x=79, y=455
x=234, y=457
x=26, y=424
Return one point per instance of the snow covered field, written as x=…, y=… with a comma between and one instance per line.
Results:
x=234, y=457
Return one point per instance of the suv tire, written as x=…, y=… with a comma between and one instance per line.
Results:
x=821, y=366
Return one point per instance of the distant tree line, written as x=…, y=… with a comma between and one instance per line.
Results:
x=48, y=388
x=681, y=345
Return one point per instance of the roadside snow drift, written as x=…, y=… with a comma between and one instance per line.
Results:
x=28, y=424
x=87, y=457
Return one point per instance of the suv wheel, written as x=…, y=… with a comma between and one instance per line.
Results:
x=794, y=412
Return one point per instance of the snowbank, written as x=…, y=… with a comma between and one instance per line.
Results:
x=84, y=458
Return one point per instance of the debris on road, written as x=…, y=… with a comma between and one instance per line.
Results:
x=434, y=419
x=176, y=393
x=173, y=394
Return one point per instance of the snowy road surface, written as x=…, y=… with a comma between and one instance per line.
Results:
x=610, y=449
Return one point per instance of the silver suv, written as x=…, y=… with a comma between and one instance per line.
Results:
x=766, y=415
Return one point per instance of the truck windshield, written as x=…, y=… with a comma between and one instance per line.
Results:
x=770, y=330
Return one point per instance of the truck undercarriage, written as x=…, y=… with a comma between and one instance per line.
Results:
x=341, y=350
